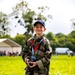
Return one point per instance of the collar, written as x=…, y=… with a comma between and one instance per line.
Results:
x=38, y=38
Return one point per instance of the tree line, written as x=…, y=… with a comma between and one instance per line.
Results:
x=56, y=40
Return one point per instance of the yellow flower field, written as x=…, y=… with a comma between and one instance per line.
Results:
x=60, y=65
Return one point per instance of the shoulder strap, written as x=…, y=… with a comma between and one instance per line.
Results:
x=37, y=46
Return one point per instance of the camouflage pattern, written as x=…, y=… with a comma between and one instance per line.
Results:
x=42, y=56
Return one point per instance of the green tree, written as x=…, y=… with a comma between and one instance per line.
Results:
x=3, y=24
x=71, y=43
x=6, y=36
x=62, y=41
x=53, y=45
x=50, y=36
x=72, y=34
x=28, y=16
x=20, y=39
x=59, y=35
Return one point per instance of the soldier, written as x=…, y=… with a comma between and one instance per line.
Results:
x=36, y=52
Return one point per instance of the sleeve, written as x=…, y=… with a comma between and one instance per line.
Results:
x=45, y=61
x=25, y=52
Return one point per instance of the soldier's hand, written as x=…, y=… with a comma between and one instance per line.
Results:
x=33, y=64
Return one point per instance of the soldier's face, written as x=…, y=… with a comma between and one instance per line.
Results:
x=39, y=29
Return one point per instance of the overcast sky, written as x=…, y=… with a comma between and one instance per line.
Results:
x=62, y=12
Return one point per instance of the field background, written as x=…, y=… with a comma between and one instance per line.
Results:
x=60, y=65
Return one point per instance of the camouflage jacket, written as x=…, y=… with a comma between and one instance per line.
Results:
x=42, y=54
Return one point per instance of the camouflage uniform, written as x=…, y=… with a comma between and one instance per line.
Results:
x=42, y=56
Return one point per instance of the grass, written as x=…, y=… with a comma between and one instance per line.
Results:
x=60, y=65
x=11, y=65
